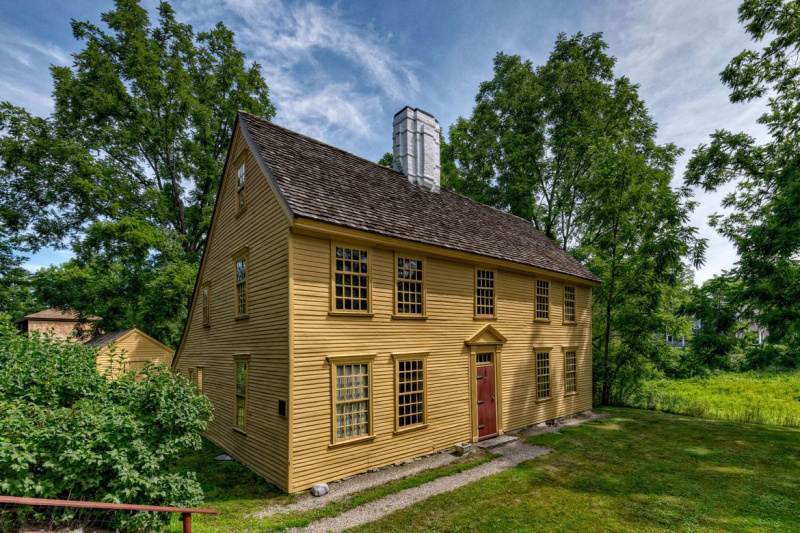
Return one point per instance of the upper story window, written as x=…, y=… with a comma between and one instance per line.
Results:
x=485, y=293
x=241, y=275
x=240, y=180
x=569, y=303
x=351, y=272
x=409, y=282
x=542, y=299
x=205, y=299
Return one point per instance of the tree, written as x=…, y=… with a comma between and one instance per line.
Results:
x=67, y=432
x=141, y=127
x=386, y=160
x=763, y=218
x=572, y=148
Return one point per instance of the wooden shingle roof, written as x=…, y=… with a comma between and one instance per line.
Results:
x=326, y=184
x=55, y=313
x=101, y=341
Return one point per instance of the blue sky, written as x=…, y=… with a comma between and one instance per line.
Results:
x=339, y=71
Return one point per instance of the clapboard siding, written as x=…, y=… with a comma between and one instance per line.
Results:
x=449, y=287
x=263, y=228
x=135, y=347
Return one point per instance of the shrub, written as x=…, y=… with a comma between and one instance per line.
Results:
x=67, y=432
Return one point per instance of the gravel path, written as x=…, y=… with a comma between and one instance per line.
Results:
x=360, y=483
x=513, y=454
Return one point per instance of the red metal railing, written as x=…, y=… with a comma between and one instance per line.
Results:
x=41, y=502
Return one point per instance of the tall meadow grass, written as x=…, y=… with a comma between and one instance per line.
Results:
x=755, y=397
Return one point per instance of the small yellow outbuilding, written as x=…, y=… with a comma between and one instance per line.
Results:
x=132, y=348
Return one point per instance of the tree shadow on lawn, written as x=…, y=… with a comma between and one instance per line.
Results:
x=682, y=471
x=637, y=470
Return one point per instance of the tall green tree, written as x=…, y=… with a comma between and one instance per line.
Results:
x=762, y=217
x=133, y=151
x=572, y=148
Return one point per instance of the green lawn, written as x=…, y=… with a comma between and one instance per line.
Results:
x=757, y=397
x=637, y=471
x=236, y=493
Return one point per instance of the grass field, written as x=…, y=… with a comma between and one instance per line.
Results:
x=755, y=397
x=637, y=471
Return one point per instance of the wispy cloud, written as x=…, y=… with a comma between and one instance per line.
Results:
x=328, y=75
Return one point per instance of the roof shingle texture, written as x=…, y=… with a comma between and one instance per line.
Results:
x=101, y=341
x=323, y=183
x=55, y=313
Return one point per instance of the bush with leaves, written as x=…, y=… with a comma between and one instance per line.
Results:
x=67, y=432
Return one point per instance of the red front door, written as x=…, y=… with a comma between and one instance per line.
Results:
x=487, y=409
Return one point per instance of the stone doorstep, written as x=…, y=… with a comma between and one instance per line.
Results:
x=496, y=441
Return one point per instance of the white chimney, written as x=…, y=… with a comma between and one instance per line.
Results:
x=415, y=137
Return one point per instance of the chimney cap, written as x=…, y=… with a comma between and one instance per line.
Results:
x=418, y=110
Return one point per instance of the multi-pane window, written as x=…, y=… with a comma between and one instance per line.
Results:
x=199, y=380
x=570, y=372
x=569, y=304
x=352, y=400
x=410, y=392
x=241, y=286
x=351, y=279
x=240, y=188
x=205, y=295
x=409, y=286
x=240, y=415
x=542, y=375
x=542, y=299
x=484, y=292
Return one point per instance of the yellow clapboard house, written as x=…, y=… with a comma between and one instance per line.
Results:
x=347, y=316
x=129, y=349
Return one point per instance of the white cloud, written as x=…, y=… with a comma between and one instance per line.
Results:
x=328, y=76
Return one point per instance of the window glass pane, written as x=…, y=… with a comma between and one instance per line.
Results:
x=241, y=394
x=571, y=368
x=352, y=400
x=409, y=286
x=484, y=292
x=542, y=299
x=411, y=393
x=569, y=304
x=351, y=275
x=543, y=375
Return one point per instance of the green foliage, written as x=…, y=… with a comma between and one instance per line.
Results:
x=572, y=148
x=719, y=342
x=16, y=294
x=67, y=432
x=128, y=165
x=762, y=218
x=753, y=397
x=386, y=160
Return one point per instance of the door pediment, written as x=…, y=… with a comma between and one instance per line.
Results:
x=487, y=336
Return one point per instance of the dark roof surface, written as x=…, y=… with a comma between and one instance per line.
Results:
x=101, y=341
x=54, y=313
x=323, y=183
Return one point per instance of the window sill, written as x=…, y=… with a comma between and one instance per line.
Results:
x=410, y=429
x=368, y=438
x=484, y=317
x=345, y=313
x=542, y=320
x=242, y=317
x=567, y=394
x=542, y=400
x=409, y=317
x=206, y=325
x=569, y=323
x=239, y=430
x=241, y=212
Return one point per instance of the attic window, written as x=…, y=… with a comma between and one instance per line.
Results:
x=351, y=273
x=240, y=178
